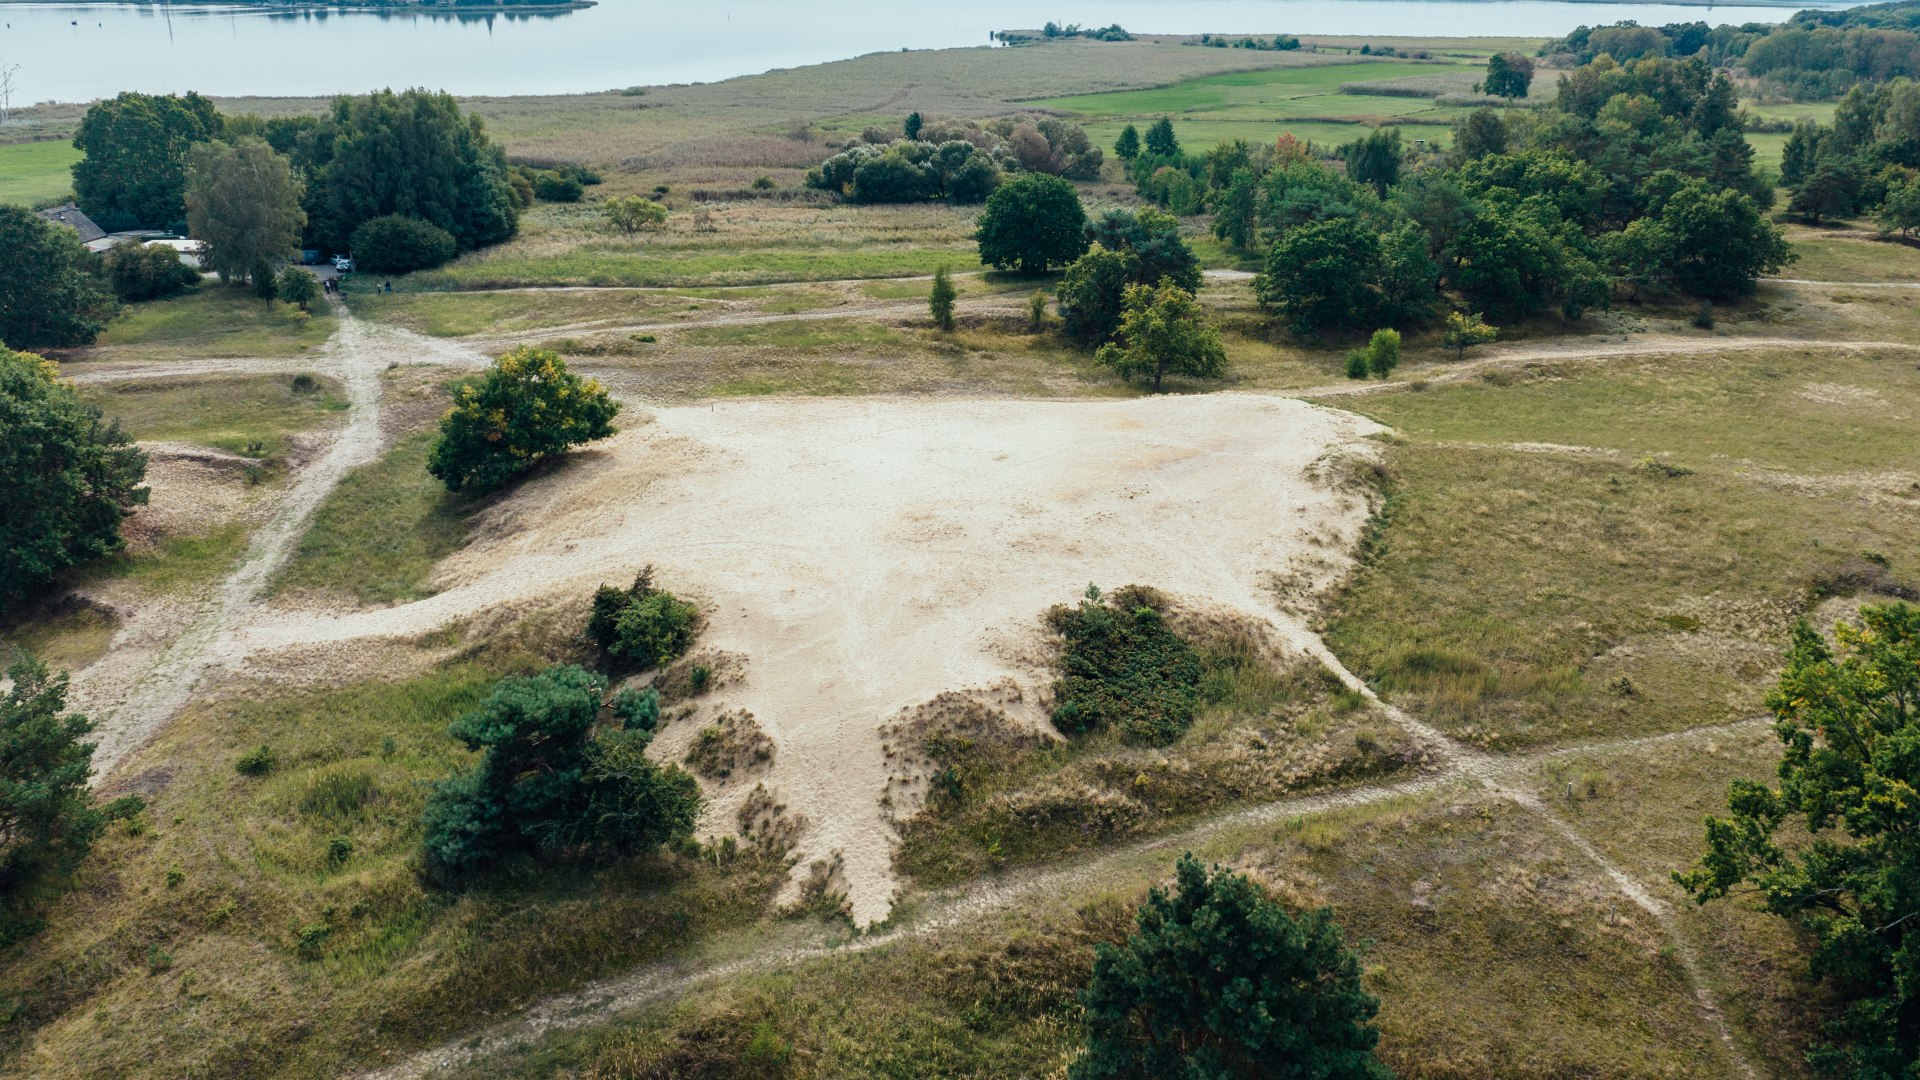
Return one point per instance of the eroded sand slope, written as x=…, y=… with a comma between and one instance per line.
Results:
x=863, y=556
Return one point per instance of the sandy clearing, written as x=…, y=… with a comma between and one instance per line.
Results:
x=865, y=556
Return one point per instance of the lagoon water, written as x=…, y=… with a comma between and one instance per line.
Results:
x=69, y=52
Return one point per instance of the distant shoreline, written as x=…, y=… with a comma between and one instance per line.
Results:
x=381, y=6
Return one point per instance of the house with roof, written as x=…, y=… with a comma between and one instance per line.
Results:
x=92, y=235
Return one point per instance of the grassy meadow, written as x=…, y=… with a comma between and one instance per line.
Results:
x=1566, y=551
x=33, y=172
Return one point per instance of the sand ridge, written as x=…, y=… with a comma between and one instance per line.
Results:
x=864, y=556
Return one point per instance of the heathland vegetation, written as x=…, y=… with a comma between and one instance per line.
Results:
x=1442, y=777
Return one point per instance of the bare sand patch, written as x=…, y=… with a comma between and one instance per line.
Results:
x=866, y=556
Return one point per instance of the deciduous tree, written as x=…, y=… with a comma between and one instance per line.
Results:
x=243, y=205
x=67, y=480
x=1464, y=331
x=527, y=408
x=134, y=173
x=1848, y=714
x=1320, y=276
x=631, y=213
x=1163, y=332
x=1032, y=223
x=52, y=293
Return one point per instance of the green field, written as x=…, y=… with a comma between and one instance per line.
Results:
x=1262, y=92
x=31, y=172
x=1259, y=105
x=215, y=321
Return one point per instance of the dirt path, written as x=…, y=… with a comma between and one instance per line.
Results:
x=1843, y=284
x=607, y=999
x=132, y=697
x=1642, y=345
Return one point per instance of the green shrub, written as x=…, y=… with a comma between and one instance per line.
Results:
x=255, y=762
x=527, y=408
x=305, y=384
x=640, y=624
x=1123, y=670
x=638, y=710
x=699, y=677
x=553, y=187
x=1383, y=353
x=308, y=940
x=396, y=245
x=147, y=272
x=339, y=850
x=1357, y=364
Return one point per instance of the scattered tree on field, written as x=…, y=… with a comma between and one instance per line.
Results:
x=548, y=783
x=299, y=288
x=1464, y=331
x=940, y=302
x=913, y=125
x=640, y=624
x=1831, y=190
x=265, y=281
x=243, y=205
x=9, y=83
x=526, y=408
x=393, y=244
x=631, y=213
x=1163, y=332
x=134, y=173
x=1152, y=238
x=1357, y=364
x=52, y=292
x=140, y=272
x=1220, y=981
x=1127, y=146
x=1032, y=223
x=1508, y=75
x=1161, y=142
x=1848, y=714
x=1900, y=210
x=67, y=481
x=1093, y=293
x=1383, y=353
x=47, y=822
x=1036, y=309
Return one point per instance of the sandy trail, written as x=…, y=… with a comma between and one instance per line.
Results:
x=609, y=998
x=131, y=693
x=865, y=556
x=1642, y=345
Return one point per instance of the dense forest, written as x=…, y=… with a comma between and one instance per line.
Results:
x=1812, y=56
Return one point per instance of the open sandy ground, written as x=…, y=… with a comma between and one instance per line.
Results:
x=864, y=556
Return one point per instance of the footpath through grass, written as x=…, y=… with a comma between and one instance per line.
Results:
x=1600, y=585
x=379, y=534
x=277, y=924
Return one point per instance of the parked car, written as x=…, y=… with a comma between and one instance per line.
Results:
x=343, y=264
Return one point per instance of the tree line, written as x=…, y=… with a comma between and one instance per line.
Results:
x=1814, y=55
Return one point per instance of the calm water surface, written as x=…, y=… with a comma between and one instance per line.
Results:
x=72, y=52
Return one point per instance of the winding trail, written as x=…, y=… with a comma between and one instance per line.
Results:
x=130, y=707
x=357, y=355
x=606, y=999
